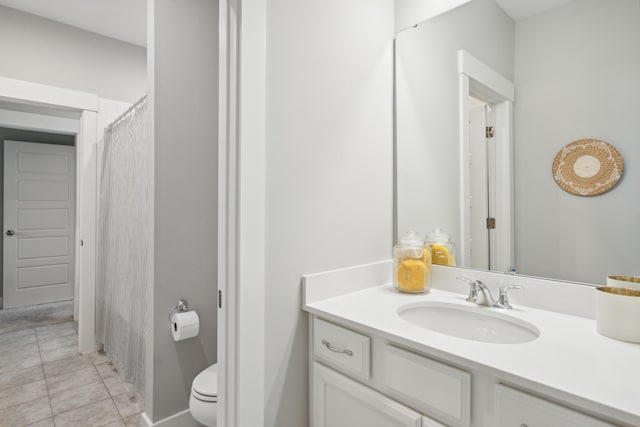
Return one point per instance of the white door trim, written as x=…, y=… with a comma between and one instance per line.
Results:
x=479, y=80
x=39, y=122
x=241, y=238
x=87, y=105
x=47, y=96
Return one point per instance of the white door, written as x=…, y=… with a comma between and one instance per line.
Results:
x=39, y=223
x=482, y=186
x=341, y=402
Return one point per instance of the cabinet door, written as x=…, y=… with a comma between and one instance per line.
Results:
x=518, y=409
x=339, y=401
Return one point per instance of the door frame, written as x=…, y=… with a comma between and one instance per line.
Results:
x=241, y=213
x=481, y=81
x=86, y=106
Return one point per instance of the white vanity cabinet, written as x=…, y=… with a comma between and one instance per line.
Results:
x=365, y=380
x=339, y=401
x=514, y=408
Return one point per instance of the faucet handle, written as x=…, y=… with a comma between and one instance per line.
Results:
x=473, y=288
x=503, y=299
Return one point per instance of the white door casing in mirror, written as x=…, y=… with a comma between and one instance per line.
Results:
x=479, y=80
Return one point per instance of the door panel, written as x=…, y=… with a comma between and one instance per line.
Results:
x=42, y=247
x=39, y=209
x=42, y=219
x=41, y=190
x=31, y=277
x=43, y=163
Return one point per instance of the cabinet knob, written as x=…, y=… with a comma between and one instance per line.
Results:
x=10, y=232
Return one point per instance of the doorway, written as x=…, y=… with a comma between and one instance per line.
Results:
x=38, y=253
x=490, y=91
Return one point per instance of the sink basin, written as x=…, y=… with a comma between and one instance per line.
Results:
x=471, y=323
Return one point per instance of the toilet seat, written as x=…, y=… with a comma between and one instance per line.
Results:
x=205, y=385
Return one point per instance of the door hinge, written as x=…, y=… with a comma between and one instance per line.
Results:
x=489, y=132
x=491, y=223
x=219, y=299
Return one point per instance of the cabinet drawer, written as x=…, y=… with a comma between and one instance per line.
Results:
x=342, y=348
x=432, y=387
x=515, y=408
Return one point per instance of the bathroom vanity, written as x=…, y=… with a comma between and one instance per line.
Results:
x=380, y=358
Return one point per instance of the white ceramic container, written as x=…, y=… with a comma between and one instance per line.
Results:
x=618, y=313
x=630, y=282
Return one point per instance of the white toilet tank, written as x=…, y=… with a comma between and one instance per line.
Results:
x=203, y=402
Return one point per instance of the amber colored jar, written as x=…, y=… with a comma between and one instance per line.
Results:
x=411, y=264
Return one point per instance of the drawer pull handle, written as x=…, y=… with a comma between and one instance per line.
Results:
x=335, y=349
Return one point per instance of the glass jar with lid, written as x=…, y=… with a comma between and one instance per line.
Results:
x=411, y=264
x=443, y=250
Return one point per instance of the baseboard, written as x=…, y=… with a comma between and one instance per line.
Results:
x=181, y=419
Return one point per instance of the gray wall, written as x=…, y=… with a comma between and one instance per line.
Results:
x=428, y=152
x=329, y=168
x=48, y=52
x=7, y=134
x=183, y=62
x=577, y=76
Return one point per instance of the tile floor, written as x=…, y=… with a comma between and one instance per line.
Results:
x=45, y=382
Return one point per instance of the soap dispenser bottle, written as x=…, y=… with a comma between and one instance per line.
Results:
x=443, y=249
x=411, y=264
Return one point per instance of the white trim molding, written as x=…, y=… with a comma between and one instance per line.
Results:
x=39, y=122
x=241, y=227
x=38, y=94
x=181, y=419
x=485, y=75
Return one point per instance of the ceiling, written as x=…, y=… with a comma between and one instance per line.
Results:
x=521, y=9
x=125, y=20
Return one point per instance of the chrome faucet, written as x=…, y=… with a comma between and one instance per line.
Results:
x=476, y=286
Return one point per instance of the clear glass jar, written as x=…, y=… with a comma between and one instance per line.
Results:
x=411, y=264
x=443, y=250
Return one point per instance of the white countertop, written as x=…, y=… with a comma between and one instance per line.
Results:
x=569, y=357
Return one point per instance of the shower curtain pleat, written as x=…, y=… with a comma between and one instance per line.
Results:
x=123, y=231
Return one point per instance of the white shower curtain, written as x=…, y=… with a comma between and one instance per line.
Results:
x=123, y=231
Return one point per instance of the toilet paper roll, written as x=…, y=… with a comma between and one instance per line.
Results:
x=184, y=325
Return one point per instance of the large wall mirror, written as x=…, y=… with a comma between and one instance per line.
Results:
x=575, y=71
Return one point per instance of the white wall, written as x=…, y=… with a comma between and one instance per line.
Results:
x=183, y=110
x=428, y=184
x=329, y=168
x=410, y=12
x=577, y=76
x=44, y=51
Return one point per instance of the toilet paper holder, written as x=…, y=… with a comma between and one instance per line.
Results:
x=180, y=307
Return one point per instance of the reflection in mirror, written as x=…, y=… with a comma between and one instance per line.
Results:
x=576, y=70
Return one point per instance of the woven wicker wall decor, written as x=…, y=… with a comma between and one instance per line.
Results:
x=587, y=167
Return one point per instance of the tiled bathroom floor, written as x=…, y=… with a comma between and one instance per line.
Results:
x=44, y=382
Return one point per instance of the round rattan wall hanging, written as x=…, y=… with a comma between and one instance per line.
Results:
x=587, y=167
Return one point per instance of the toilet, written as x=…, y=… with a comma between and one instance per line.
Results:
x=203, y=402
